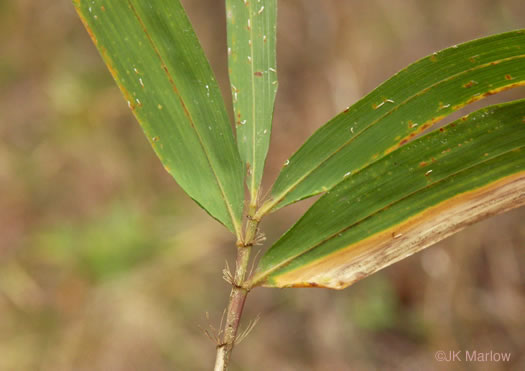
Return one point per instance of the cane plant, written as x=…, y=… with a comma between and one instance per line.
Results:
x=385, y=193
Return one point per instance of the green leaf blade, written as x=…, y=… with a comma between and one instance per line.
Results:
x=410, y=199
x=388, y=117
x=154, y=56
x=252, y=68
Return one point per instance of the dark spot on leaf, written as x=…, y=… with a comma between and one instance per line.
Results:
x=396, y=235
x=470, y=84
x=422, y=164
x=258, y=74
x=508, y=77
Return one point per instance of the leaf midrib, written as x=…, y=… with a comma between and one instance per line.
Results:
x=253, y=189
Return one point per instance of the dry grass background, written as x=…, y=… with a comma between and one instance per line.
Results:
x=106, y=265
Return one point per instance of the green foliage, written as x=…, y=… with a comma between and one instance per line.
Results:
x=411, y=101
x=386, y=196
x=155, y=58
x=383, y=199
x=253, y=76
x=374, y=181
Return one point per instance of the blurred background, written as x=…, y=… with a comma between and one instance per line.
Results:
x=105, y=264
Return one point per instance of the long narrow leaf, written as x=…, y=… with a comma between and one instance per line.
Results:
x=412, y=198
x=252, y=66
x=154, y=56
x=388, y=117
